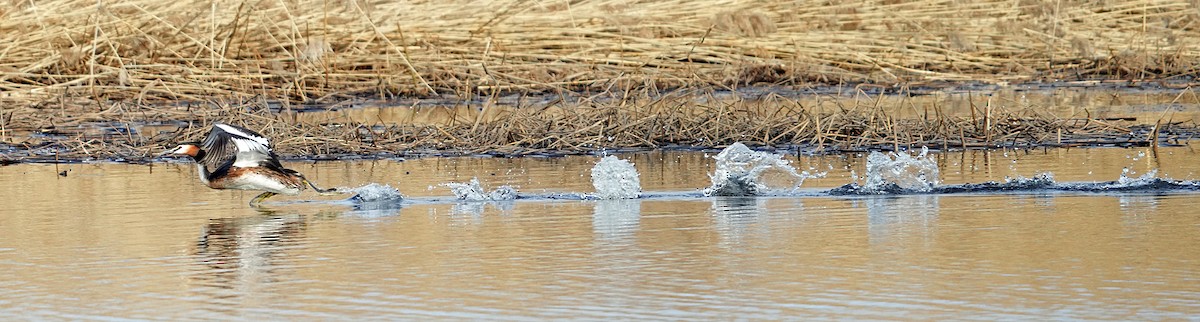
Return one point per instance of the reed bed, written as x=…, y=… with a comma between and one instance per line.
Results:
x=325, y=51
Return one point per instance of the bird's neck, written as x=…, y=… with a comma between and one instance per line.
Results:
x=204, y=172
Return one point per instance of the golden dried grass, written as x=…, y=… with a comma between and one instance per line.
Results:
x=322, y=51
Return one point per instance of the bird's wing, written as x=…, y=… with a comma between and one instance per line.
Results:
x=240, y=147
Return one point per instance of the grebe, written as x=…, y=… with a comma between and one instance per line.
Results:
x=233, y=157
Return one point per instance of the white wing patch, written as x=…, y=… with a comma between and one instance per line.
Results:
x=251, y=149
x=250, y=153
x=239, y=134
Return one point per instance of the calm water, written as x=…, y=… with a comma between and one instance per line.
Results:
x=149, y=242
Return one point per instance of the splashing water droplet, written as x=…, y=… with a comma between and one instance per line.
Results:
x=738, y=170
x=472, y=191
x=1041, y=179
x=375, y=192
x=915, y=173
x=615, y=178
x=1145, y=178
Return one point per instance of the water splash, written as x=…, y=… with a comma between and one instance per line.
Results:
x=615, y=178
x=1126, y=180
x=472, y=191
x=896, y=173
x=375, y=193
x=1146, y=182
x=1041, y=182
x=901, y=170
x=738, y=170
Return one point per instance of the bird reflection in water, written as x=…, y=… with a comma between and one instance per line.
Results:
x=242, y=257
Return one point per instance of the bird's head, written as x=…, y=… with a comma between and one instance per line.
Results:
x=188, y=149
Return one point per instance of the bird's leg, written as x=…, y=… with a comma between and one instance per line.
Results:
x=259, y=199
x=310, y=184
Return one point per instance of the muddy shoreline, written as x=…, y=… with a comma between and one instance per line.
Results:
x=787, y=119
x=809, y=150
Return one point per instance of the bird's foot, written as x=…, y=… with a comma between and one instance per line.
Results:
x=257, y=201
x=323, y=192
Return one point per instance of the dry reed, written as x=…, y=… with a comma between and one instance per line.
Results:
x=324, y=51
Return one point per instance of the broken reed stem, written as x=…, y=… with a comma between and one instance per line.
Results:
x=1154, y=136
x=987, y=121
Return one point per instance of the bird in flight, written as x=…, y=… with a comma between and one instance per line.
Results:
x=233, y=157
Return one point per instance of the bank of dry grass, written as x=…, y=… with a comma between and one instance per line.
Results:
x=71, y=64
x=323, y=51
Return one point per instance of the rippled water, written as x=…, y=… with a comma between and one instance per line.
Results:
x=133, y=241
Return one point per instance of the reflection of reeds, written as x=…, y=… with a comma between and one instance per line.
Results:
x=586, y=124
x=329, y=50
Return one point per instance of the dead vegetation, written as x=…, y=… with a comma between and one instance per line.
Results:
x=324, y=51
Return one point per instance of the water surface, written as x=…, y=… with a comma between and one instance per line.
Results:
x=149, y=242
